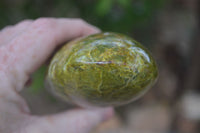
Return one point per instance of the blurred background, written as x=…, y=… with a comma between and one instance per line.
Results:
x=170, y=29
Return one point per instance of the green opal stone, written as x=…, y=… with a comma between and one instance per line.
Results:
x=104, y=69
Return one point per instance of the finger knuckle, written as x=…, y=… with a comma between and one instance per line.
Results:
x=80, y=21
x=7, y=28
x=27, y=21
x=44, y=23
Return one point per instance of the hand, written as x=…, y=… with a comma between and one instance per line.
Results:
x=23, y=49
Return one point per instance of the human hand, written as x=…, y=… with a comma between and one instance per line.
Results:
x=23, y=49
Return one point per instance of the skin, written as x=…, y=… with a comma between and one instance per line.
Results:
x=24, y=47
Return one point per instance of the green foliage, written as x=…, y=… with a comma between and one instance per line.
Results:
x=103, y=7
x=113, y=15
x=124, y=3
x=38, y=80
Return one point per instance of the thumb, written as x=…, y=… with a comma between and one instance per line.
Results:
x=73, y=121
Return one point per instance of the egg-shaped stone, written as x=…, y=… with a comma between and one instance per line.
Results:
x=104, y=69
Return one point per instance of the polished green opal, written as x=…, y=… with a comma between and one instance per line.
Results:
x=104, y=69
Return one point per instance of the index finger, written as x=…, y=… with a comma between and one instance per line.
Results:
x=30, y=50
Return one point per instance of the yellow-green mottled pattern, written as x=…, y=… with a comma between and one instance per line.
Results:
x=105, y=69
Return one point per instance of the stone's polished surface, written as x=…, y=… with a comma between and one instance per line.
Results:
x=104, y=69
